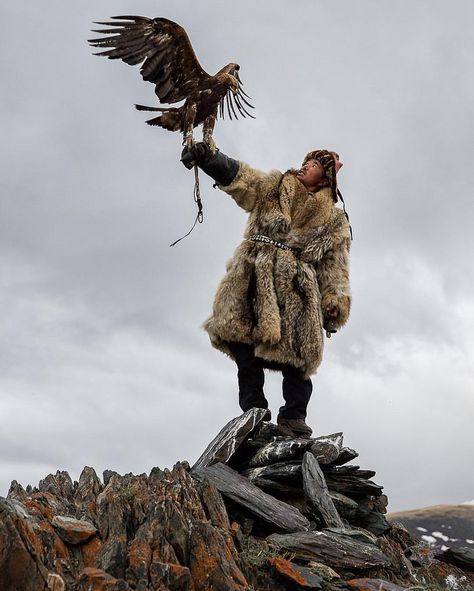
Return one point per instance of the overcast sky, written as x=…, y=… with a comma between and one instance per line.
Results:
x=102, y=358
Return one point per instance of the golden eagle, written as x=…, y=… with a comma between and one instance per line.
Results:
x=169, y=62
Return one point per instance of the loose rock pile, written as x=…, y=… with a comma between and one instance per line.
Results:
x=255, y=512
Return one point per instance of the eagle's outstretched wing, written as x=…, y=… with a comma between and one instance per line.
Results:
x=162, y=45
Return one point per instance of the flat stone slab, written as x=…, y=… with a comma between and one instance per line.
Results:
x=281, y=472
x=243, y=492
x=331, y=548
x=317, y=493
x=327, y=448
x=353, y=486
x=347, y=454
x=280, y=451
x=230, y=438
x=73, y=531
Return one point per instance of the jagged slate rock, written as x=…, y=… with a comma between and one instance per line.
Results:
x=214, y=504
x=366, y=474
x=85, y=495
x=213, y=559
x=95, y=578
x=420, y=554
x=230, y=437
x=371, y=514
x=393, y=546
x=374, y=522
x=107, y=475
x=316, y=491
x=16, y=491
x=59, y=484
x=346, y=455
x=300, y=576
x=279, y=451
x=240, y=490
x=20, y=566
x=170, y=576
x=373, y=585
x=335, y=550
x=381, y=503
x=113, y=556
x=354, y=534
x=266, y=432
x=285, y=472
x=278, y=489
x=156, y=475
x=326, y=449
x=340, y=470
x=353, y=486
x=182, y=465
x=461, y=557
x=73, y=531
x=345, y=506
x=369, y=504
x=348, y=469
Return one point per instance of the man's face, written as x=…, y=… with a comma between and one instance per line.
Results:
x=311, y=174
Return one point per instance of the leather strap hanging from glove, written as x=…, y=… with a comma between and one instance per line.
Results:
x=218, y=166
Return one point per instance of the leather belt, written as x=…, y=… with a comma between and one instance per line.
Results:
x=267, y=240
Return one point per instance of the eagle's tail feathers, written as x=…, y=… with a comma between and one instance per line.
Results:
x=145, y=108
x=170, y=120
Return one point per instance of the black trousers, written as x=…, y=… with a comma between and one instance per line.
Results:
x=250, y=372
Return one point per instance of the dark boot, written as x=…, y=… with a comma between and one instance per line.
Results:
x=250, y=376
x=295, y=428
x=297, y=392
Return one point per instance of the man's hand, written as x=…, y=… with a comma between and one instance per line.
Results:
x=196, y=154
x=329, y=327
x=330, y=315
x=217, y=165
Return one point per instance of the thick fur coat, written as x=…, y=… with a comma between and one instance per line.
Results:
x=273, y=298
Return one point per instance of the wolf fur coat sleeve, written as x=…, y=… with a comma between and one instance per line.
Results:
x=277, y=299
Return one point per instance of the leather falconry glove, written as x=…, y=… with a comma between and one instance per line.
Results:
x=218, y=166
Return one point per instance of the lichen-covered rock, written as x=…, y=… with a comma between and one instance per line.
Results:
x=73, y=531
x=206, y=529
x=298, y=576
x=19, y=565
x=95, y=579
x=212, y=561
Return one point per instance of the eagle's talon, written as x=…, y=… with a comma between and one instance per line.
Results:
x=189, y=141
x=210, y=143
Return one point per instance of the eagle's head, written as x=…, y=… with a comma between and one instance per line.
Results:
x=230, y=74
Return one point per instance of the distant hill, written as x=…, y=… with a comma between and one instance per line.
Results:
x=441, y=526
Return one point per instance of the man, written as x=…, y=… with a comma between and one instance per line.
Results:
x=286, y=281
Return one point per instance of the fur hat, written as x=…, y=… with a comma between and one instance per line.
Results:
x=326, y=159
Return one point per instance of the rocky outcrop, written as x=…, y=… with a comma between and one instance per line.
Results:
x=257, y=511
